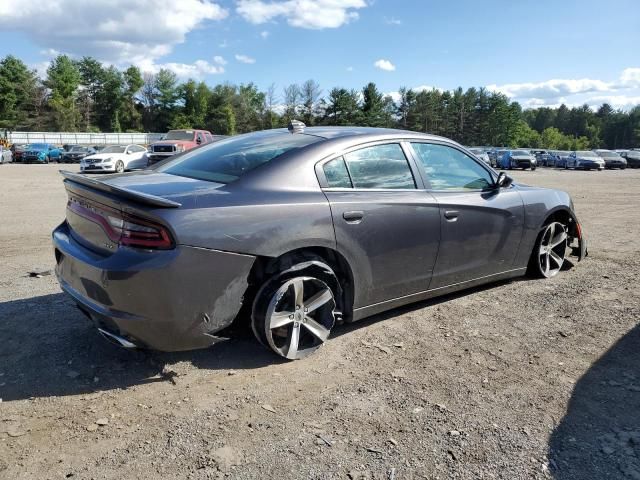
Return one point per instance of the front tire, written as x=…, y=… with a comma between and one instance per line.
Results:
x=119, y=166
x=549, y=251
x=294, y=311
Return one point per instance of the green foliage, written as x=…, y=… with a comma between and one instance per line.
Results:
x=18, y=85
x=88, y=95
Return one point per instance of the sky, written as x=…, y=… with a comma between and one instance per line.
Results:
x=538, y=52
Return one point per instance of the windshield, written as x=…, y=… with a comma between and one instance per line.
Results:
x=587, y=154
x=227, y=160
x=521, y=152
x=78, y=149
x=179, y=135
x=114, y=149
x=608, y=154
x=38, y=146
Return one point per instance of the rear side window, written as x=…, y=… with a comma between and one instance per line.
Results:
x=379, y=166
x=336, y=173
x=227, y=160
x=451, y=169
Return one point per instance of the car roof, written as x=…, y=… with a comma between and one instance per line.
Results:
x=370, y=132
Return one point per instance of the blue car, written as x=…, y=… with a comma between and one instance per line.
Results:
x=41, y=153
x=517, y=159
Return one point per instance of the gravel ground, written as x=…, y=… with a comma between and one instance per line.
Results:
x=521, y=379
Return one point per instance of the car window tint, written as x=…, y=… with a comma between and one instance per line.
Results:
x=451, y=169
x=336, y=173
x=227, y=160
x=379, y=166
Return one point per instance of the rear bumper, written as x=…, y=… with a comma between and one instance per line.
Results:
x=166, y=300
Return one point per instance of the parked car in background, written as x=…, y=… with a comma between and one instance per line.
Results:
x=611, y=159
x=495, y=154
x=75, y=153
x=584, y=160
x=481, y=153
x=292, y=227
x=40, y=153
x=543, y=158
x=560, y=158
x=632, y=157
x=6, y=156
x=115, y=158
x=177, y=141
x=517, y=159
x=18, y=151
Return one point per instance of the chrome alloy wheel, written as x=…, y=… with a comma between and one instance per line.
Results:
x=299, y=317
x=553, y=246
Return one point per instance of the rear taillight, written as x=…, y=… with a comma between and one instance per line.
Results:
x=123, y=228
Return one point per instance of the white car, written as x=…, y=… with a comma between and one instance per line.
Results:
x=115, y=158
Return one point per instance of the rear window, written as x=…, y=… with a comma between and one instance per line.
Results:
x=227, y=160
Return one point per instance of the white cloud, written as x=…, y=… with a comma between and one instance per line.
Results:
x=219, y=60
x=312, y=14
x=264, y=34
x=245, y=59
x=552, y=88
x=630, y=77
x=383, y=64
x=115, y=31
x=623, y=92
x=392, y=21
x=195, y=70
x=349, y=69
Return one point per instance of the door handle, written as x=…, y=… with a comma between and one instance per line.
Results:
x=353, y=216
x=451, y=215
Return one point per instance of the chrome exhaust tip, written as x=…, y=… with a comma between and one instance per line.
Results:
x=117, y=339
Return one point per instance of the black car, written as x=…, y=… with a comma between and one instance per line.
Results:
x=632, y=157
x=75, y=153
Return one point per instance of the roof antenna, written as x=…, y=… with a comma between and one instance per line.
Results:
x=296, y=126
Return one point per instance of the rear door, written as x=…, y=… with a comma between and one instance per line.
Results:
x=481, y=226
x=386, y=225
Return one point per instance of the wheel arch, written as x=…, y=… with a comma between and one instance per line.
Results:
x=266, y=267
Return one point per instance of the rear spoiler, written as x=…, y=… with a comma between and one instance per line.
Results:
x=139, y=197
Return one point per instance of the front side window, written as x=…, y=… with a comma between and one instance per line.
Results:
x=451, y=169
x=380, y=166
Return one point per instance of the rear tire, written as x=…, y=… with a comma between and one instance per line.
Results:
x=294, y=310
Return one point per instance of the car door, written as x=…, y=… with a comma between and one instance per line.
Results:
x=481, y=225
x=135, y=157
x=386, y=225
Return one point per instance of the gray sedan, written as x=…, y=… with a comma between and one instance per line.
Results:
x=297, y=230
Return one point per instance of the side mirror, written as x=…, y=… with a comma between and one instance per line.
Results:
x=504, y=180
x=198, y=141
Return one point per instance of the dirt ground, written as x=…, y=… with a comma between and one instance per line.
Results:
x=521, y=379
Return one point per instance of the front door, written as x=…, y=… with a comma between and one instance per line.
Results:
x=481, y=226
x=387, y=227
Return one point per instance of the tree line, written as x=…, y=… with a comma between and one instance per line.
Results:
x=86, y=95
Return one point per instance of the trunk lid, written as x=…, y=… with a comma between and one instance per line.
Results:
x=95, y=203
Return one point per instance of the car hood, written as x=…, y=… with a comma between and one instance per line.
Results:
x=103, y=156
x=521, y=157
x=590, y=159
x=172, y=187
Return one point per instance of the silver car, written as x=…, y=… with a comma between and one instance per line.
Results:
x=296, y=230
x=5, y=155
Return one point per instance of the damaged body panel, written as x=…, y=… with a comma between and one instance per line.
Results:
x=171, y=300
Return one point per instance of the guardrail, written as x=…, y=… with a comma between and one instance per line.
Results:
x=81, y=138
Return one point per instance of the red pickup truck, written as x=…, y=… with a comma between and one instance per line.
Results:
x=176, y=141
